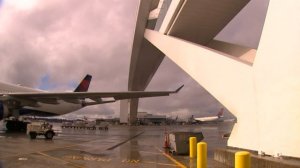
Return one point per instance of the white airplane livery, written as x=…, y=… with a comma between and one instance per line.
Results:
x=17, y=100
x=217, y=118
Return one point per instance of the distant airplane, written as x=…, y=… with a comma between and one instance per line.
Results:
x=217, y=118
x=17, y=100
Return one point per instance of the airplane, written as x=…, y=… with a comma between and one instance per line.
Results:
x=16, y=100
x=217, y=118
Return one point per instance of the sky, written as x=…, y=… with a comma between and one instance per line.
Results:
x=53, y=44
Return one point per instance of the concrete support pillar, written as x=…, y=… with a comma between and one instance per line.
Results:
x=124, y=111
x=133, y=111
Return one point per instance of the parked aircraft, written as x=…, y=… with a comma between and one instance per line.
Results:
x=17, y=100
x=217, y=118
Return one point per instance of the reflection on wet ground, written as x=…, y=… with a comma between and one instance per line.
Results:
x=120, y=146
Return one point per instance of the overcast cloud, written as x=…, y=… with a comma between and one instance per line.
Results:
x=52, y=44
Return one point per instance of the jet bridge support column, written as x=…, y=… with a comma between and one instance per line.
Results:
x=124, y=111
x=133, y=111
x=145, y=58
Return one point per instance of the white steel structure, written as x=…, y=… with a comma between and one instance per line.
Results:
x=261, y=87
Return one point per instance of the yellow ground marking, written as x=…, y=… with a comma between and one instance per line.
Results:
x=147, y=162
x=171, y=158
x=157, y=153
x=71, y=163
x=130, y=161
x=163, y=164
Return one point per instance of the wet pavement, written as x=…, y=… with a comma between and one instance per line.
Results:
x=120, y=146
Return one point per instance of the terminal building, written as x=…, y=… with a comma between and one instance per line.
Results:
x=144, y=118
x=260, y=86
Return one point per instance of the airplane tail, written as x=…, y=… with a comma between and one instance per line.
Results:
x=84, y=84
x=220, y=113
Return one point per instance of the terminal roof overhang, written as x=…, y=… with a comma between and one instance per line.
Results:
x=197, y=21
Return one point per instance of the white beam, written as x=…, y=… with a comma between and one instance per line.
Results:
x=227, y=78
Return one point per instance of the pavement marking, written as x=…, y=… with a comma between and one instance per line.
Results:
x=87, y=158
x=172, y=159
x=69, y=146
x=177, y=163
x=71, y=163
x=22, y=158
x=157, y=153
x=163, y=164
x=130, y=161
x=121, y=143
x=50, y=149
x=33, y=151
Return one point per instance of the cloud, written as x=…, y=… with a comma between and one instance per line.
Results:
x=66, y=37
x=58, y=42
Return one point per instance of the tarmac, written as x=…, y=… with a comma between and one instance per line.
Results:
x=120, y=146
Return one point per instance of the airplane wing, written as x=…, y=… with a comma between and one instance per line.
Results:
x=74, y=97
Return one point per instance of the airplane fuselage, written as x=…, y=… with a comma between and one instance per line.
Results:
x=58, y=108
x=209, y=119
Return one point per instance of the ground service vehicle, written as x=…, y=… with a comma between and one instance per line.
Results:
x=40, y=128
